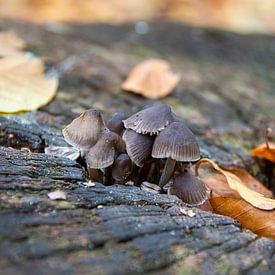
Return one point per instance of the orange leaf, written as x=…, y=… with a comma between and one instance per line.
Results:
x=262, y=151
x=265, y=150
x=152, y=79
x=228, y=202
x=235, y=183
x=259, y=221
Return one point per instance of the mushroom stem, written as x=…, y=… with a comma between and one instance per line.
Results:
x=150, y=176
x=267, y=133
x=167, y=171
x=107, y=176
x=94, y=175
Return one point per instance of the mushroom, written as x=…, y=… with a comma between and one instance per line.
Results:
x=122, y=168
x=103, y=153
x=115, y=124
x=175, y=143
x=151, y=120
x=84, y=131
x=189, y=189
x=138, y=147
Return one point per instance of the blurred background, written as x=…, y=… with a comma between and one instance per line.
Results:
x=245, y=16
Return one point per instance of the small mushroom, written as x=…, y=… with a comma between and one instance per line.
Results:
x=189, y=189
x=151, y=120
x=115, y=124
x=84, y=131
x=103, y=153
x=138, y=146
x=175, y=143
x=122, y=168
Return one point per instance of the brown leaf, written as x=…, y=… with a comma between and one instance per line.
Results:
x=23, y=85
x=218, y=184
x=10, y=44
x=259, y=221
x=251, y=182
x=235, y=183
x=228, y=202
x=152, y=79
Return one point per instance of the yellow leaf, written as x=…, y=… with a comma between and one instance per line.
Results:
x=23, y=86
x=10, y=44
x=152, y=79
x=254, y=198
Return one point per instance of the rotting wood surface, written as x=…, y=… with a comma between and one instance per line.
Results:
x=121, y=229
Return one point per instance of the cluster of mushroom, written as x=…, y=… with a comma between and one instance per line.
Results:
x=152, y=148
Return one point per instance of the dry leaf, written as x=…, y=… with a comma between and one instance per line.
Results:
x=10, y=44
x=57, y=195
x=253, y=197
x=265, y=150
x=228, y=202
x=251, y=182
x=23, y=85
x=262, y=151
x=152, y=79
x=259, y=221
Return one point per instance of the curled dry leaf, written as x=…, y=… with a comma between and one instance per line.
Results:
x=235, y=183
x=265, y=150
x=152, y=79
x=228, y=202
x=57, y=195
x=23, y=85
x=251, y=182
x=10, y=44
x=262, y=151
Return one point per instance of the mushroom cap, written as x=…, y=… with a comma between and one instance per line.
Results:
x=189, y=189
x=103, y=153
x=176, y=142
x=85, y=130
x=115, y=124
x=122, y=168
x=151, y=120
x=138, y=147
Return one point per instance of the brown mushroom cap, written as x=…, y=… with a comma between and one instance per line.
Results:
x=176, y=142
x=84, y=131
x=122, y=168
x=138, y=146
x=115, y=124
x=189, y=189
x=151, y=120
x=103, y=153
